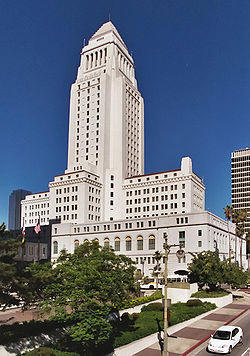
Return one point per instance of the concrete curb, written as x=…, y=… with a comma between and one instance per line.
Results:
x=207, y=337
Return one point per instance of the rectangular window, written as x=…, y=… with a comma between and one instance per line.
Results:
x=117, y=245
x=140, y=244
x=199, y=232
x=182, y=238
x=128, y=245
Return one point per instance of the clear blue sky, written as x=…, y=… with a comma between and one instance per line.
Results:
x=192, y=66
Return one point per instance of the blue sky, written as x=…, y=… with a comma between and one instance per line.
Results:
x=192, y=67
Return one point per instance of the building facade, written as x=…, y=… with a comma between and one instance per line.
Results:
x=104, y=193
x=240, y=169
x=14, y=218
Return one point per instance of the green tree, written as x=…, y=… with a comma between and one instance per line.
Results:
x=206, y=269
x=12, y=280
x=84, y=287
x=3, y=232
x=233, y=274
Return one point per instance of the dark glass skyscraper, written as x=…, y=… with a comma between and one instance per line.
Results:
x=15, y=208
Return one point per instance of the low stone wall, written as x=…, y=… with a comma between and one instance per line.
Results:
x=182, y=295
x=137, y=308
x=219, y=302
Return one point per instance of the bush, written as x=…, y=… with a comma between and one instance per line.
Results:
x=46, y=351
x=194, y=302
x=125, y=318
x=152, y=306
x=135, y=316
x=180, y=312
x=142, y=300
x=143, y=326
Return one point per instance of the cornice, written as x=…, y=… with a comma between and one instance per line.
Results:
x=75, y=181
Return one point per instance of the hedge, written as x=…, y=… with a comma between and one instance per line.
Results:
x=152, y=306
x=47, y=351
x=194, y=302
x=146, y=324
x=142, y=300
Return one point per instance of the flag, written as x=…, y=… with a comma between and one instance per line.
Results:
x=37, y=228
x=23, y=234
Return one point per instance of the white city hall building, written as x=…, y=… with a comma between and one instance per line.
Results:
x=104, y=194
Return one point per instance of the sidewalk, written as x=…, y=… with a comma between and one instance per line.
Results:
x=193, y=335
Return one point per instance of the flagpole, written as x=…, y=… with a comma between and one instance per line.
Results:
x=38, y=241
x=22, y=240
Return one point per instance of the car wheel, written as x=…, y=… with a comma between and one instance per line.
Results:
x=241, y=340
x=207, y=349
x=230, y=349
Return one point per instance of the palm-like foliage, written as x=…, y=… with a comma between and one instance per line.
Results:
x=239, y=218
x=157, y=257
x=228, y=210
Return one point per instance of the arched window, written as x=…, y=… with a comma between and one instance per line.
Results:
x=85, y=240
x=76, y=244
x=106, y=242
x=96, y=240
x=55, y=247
x=151, y=242
x=128, y=243
x=117, y=244
x=139, y=243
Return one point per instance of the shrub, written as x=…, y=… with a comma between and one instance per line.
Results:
x=46, y=351
x=152, y=306
x=125, y=318
x=135, y=316
x=194, y=302
x=142, y=300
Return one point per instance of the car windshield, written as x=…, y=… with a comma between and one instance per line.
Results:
x=222, y=335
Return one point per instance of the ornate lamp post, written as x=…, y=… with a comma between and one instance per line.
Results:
x=180, y=253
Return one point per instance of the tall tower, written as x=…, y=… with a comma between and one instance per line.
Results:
x=15, y=198
x=240, y=167
x=106, y=127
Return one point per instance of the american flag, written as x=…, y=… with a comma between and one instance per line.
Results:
x=37, y=228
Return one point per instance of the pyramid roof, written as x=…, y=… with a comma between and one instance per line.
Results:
x=107, y=27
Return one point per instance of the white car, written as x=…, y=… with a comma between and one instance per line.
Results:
x=224, y=339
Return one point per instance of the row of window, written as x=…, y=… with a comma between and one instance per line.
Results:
x=67, y=190
x=153, y=208
x=155, y=190
x=37, y=213
x=66, y=199
x=140, y=243
x=240, y=159
x=37, y=206
x=96, y=58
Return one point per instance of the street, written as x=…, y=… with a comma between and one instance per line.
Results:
x=243, y=321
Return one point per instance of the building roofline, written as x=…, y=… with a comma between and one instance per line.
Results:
x=46, y=191
x=75, y=172
x=150, y=174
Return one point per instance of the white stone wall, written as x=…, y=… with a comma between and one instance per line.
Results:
x=35, y=206
x=165, y=193
x=197, y=227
